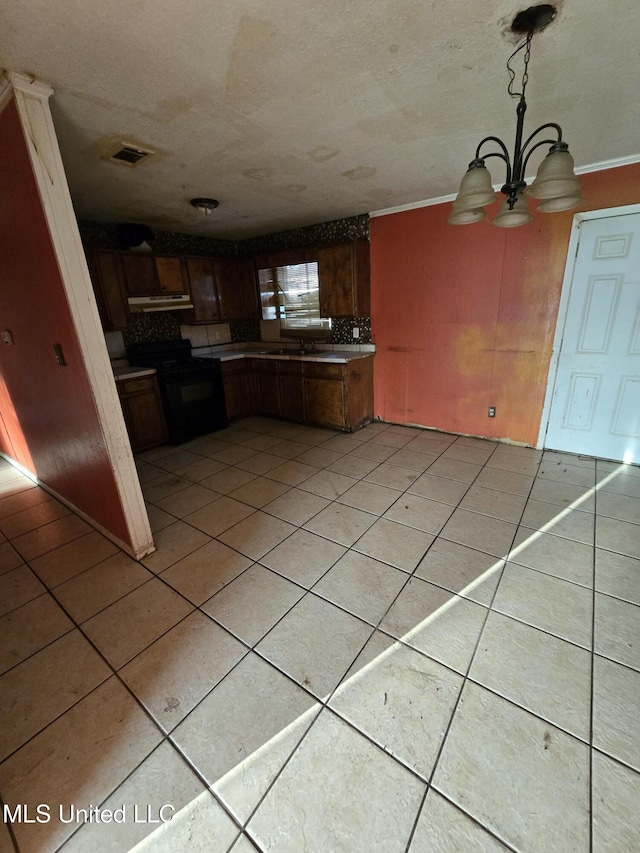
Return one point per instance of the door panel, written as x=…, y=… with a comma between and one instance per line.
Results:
x=595, y=407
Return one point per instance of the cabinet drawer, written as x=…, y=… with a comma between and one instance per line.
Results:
x=238, y=365
x=323, y=371
x=136, y=386
x=263, y=365
x=292, y=368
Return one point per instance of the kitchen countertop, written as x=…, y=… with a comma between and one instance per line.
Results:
x=132, y=372
x=333, y=356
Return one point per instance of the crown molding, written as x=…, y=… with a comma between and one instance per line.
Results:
x=608, y=164
x=443, y=199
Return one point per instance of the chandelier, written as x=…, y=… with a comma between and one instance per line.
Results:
x=555, y=185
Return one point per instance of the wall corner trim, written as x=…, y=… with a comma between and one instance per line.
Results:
x=28, y=84
x=32, y=102
x=6, y=91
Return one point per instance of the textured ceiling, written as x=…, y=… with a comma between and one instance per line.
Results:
x=292, y=113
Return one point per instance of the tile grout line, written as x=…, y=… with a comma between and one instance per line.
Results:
x=199, y=607
x=164, y=735
x=9, y=827
x=306, y=591
x=325, y=702
x=464, y=682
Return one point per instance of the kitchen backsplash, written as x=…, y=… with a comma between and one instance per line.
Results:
x=342, y=330
x=245, y=330
x=143, y=328
x=166, y=326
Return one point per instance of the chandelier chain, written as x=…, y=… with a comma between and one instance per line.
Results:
x=526, y=46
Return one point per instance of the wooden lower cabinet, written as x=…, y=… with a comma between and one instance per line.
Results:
x=267, y=394
x=291, y=388
x=324, y=401
x=339, y=395
x=237, y=388
x=143, y=412
x=331, y=395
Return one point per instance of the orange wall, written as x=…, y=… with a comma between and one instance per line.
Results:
x=464, y=316
x=49, y=420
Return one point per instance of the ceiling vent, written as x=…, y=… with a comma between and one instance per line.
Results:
x=130, y=155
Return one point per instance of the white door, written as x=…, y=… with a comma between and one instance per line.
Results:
x=595, y=407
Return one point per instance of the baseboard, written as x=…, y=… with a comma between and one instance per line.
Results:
x=124, y=546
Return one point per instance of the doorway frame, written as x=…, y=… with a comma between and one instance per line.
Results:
x=567, y=281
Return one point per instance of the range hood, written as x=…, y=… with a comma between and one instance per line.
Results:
x=165, y=302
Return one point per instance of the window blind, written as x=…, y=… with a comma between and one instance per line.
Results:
x=291, y=295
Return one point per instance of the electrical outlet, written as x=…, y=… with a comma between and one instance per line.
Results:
x=355, y=332
x=492, y=412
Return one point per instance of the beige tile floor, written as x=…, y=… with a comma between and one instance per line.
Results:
x=396, y=640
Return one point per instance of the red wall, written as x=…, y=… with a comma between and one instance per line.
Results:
x=464, y=316
x=49, y=419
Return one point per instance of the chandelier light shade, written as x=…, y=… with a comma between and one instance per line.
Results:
x=511, y=217
x=555, y=185
x=466, y=217
x=555, y=178
x=476, y=189
x=554, y=205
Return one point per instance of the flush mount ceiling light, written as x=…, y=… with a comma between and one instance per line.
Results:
x=205, y=205
x=555, y=185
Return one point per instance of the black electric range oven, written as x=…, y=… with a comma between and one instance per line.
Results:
x=191, y=388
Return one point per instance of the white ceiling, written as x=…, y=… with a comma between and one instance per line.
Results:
x=292, y=112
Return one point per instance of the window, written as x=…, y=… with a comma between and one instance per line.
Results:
x=291, y=294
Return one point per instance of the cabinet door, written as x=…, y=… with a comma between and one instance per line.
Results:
x=324, y=401
x=291, y=397
x=143, y=412
x=106, y=277
x=203, y=290
x=248, y=284
x=170, y=272
x=139, y=274
x=229, y=294
x=343, y=274
x=237, y=395
x=267, y=393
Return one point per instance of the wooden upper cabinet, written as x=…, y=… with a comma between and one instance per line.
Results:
x=221, y=289
x=170, y=274
x=139, y=274
x=108, y=286
x=248, y=284
x=237, y=289
x=229, y=297
x=204, y=295
x=343, y=274
x=152, y=275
